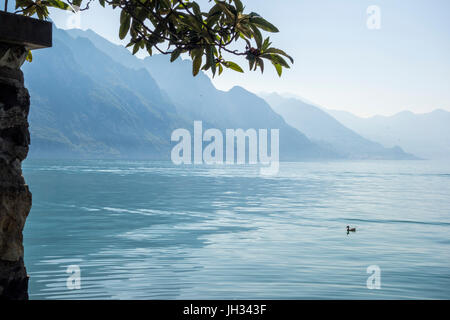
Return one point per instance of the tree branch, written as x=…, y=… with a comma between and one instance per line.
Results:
x=80, y=9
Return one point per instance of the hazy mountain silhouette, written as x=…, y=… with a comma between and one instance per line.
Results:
x=426, y=135
x=93, y=99
x=322, y=128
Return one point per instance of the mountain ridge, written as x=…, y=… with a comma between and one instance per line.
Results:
x=324, y=129
x=426, y=135
x=108, y=109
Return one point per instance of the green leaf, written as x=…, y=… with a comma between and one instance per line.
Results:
x=279, y=68
x=233, y=66
x=212, y=20
x=77, y=3
x=251, y=63
x=239, y=5
x=59, y=4
x=197, y=61
x=165, y=3
x=175, y=54
x=263, y=24
x=149, y=48
x=211, y=61
x=280, y=52
x=197, y=10
x=258, y=36
x=215, y=10
x=135, y=48
x=260, y=63
x=280, y=60
x=191, y=22
x=124, y=24
x=275, y=59
x=266, y=44
x=225, y=8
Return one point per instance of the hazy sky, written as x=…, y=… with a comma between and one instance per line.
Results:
x=340, y=63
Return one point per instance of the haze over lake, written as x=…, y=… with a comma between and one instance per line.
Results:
x=152, y=230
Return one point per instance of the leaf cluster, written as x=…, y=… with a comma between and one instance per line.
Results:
x=176, y=27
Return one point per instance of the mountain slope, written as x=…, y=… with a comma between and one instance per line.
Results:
x=83, y=104
x=425, y=135
x=198, y=99
x=322, y=128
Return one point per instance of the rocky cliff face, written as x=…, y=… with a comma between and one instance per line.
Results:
x=15, y=198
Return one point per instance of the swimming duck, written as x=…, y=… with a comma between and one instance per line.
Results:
x=351, y=229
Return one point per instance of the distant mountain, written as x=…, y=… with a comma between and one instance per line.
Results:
x=93, y=99
x=236, y=108
x=323, y=129
x=426, y=135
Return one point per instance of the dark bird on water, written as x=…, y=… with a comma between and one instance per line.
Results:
x=350, y=229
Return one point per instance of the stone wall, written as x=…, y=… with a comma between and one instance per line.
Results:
x=15, y=198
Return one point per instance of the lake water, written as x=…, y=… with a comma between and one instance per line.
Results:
x=151, y=230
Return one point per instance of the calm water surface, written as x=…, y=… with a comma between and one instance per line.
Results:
x=150, y=230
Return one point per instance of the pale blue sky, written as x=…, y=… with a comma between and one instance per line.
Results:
x=340, y=63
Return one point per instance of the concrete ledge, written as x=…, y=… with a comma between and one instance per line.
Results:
x=29, y=32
